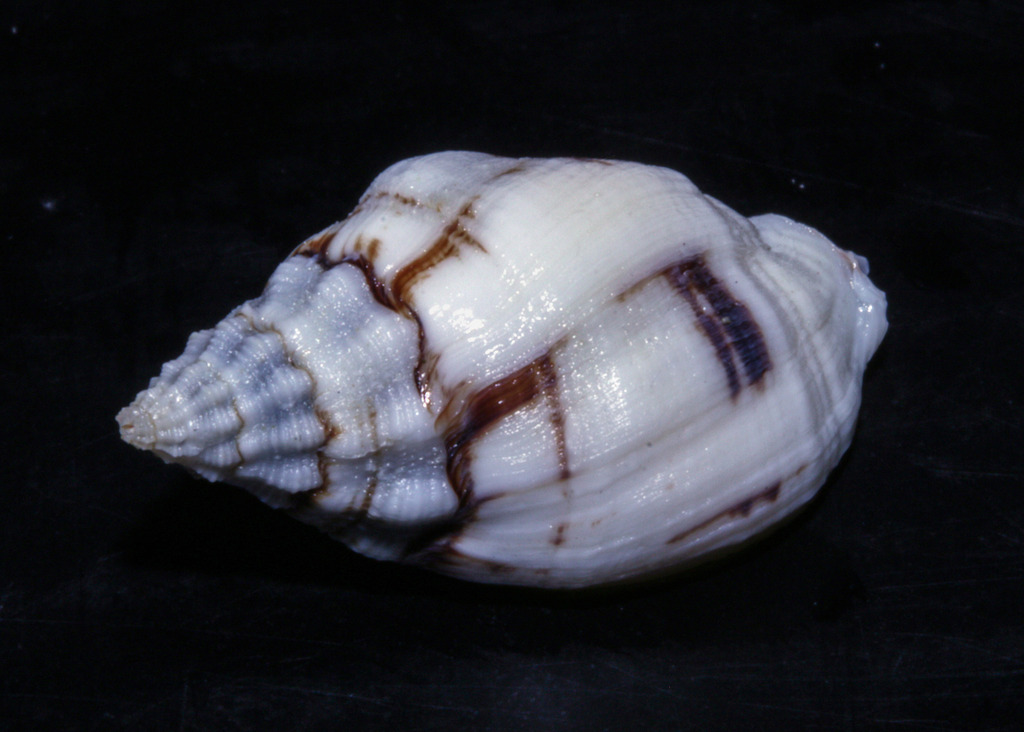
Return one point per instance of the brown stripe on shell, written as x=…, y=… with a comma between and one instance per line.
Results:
x=440, y=538
x=337, y=521
x=494, y=402
x=399, y=197
x=316, y=249
x=679, y=277
x=636, y=287
x=453, y=238
x=446, y=553
x=599, y=161
x=378, y=288
x=480, y=410
x=357, y=514
x=745, y=335
x=559, y=538
x=726, y=322
x=556, y=414
x=316, y=246
x=367, y=249
x=517, y=168
x=373, y=422
x=353, y=516
x=425, y=368
x=331, y=430
x=384, y=295
x=743, y=508
x=307, y=499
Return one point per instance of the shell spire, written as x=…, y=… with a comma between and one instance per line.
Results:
x=543, y=372
x=195, y=413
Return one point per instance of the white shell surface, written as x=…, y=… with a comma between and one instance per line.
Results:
x=549, y=372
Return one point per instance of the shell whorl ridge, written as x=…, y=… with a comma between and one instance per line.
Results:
x=551, y=372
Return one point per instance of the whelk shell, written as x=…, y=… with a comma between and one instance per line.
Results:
x=550, y=372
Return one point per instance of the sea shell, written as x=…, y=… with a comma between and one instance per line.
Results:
x=551, y=372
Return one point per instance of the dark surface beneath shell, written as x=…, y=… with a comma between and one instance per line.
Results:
x=156, y=162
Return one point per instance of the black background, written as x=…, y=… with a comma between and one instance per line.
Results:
x=158, y=159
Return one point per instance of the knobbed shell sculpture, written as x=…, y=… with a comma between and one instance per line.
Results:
x=541, y=372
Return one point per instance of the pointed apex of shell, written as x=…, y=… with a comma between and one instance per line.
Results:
x=137, y=428
x=234, y=406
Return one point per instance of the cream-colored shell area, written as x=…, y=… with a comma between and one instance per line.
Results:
x=368, y=387
x=665, y=466
x=559, y=258
x=559, y=238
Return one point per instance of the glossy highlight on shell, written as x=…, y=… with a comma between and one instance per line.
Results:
x=550, y=372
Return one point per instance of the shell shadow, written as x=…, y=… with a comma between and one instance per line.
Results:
x=789, y=578
x=219, y=530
